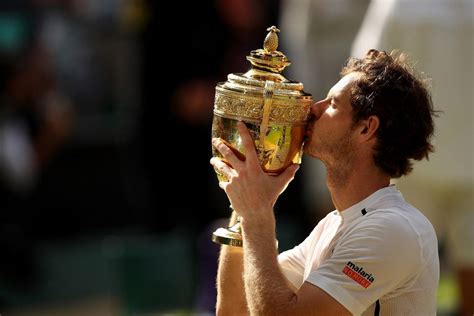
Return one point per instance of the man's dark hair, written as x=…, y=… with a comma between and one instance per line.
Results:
x=389, y=90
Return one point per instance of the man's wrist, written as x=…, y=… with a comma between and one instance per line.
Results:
x=259, y=221
x=234, y=218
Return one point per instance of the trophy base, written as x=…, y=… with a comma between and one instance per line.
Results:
x=231, y=236
x=228, y=236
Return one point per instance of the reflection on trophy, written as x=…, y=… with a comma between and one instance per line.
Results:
x=274, y=109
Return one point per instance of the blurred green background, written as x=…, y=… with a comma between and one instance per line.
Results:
x=107, y=198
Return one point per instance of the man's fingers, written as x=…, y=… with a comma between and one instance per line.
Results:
x=289, y=173
x=223, y=184
x=248, y=143
x=226, y=152
x=222, y=167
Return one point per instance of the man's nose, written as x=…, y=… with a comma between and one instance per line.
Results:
x=317, y=108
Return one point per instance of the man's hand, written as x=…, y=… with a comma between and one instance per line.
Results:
x=249, y=188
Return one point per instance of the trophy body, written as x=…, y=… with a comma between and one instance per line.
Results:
x=274, y=109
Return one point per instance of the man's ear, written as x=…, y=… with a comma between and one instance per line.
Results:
x=368, y=127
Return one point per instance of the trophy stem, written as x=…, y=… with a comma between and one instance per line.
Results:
x=231, y=236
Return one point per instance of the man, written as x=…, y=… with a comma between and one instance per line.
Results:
x=375, y=254
x=440, y=36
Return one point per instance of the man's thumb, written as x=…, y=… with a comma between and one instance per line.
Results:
x=289, y=173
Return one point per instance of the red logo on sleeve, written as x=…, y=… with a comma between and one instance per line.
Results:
x=358, y=274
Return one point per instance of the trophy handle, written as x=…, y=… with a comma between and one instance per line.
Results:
x=267, y=107
x=231, y=236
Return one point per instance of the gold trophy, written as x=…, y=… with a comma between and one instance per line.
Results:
x=274, y=109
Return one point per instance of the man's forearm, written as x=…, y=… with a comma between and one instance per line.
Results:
x=230, y=282
x=267, y=290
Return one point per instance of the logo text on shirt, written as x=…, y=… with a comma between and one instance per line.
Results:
x=358, y=274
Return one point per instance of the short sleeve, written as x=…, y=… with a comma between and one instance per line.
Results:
x=292, y=262
x=372, y=259
x=292, y=265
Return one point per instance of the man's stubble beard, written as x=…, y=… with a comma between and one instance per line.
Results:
x=336, y=155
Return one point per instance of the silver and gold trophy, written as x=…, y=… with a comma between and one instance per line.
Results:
x=274, y=109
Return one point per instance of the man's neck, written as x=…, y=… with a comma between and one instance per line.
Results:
x=355, y=184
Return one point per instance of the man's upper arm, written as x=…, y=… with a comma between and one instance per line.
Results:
x=292, y=262
x=312, y=300
x=292, y=267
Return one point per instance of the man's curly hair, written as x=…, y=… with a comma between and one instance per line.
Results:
x=389, y=90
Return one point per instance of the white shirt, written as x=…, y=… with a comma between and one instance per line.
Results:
x=379, y=255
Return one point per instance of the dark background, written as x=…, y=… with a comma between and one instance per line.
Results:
x=107, y=192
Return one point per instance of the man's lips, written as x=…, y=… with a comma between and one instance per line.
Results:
x=309, y=126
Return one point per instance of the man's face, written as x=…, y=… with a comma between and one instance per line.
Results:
x=329, y=132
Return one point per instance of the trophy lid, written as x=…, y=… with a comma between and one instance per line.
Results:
x=269, y=58
x=267, y=65
x=241, y=95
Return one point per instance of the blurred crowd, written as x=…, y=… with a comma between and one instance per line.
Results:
x=105, y=117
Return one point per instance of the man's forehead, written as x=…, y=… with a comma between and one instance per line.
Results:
x=345, y=83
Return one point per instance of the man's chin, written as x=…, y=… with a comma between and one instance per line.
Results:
x=308, y=152
x=305, y=148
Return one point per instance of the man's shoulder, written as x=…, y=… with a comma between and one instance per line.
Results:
x=400, y=212
x=395, y=233
x=405, y=223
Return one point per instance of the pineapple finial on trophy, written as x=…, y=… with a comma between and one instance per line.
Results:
x=270, y=44
x=268, y=58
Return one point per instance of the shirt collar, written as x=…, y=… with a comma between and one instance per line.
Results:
x=355, y=210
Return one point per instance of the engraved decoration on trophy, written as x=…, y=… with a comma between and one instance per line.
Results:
x=274, y=109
